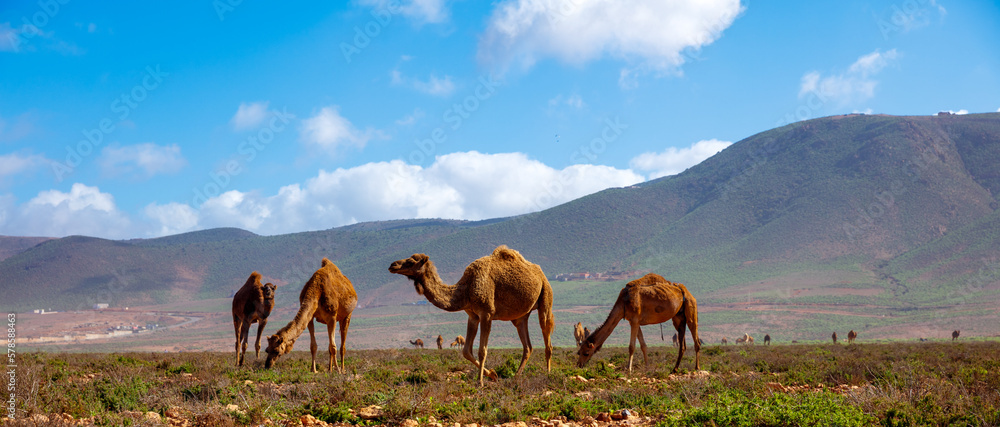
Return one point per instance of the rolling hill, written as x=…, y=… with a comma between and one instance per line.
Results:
x=852, y=210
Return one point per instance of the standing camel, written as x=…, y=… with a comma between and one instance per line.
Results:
x=419, y=343
x=851, y=336
x=459, y=340
x=767, y=339
x=648, y=300
x=724, y=341
x=746, y=339
x=586, y=332
x=835, y=337
x=328, y=297
x=251, y=304
x=578, y=333
x=440, y=342
x=499, y=286
x=674, y=340
x=954, y=335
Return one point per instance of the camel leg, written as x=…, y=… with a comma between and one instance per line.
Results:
x=312, y=344
x=244, y=338
x=522, y=333
x=680, y=324
x=333, y=346
x=548, y=323
x=642, y=346
x=631, y=343
x=470, y=332
x=237, y=325
x=260, y=329
x=697, y=342
x=485, y=323
x=344, y=324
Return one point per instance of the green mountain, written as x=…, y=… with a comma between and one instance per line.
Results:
x=857, y=209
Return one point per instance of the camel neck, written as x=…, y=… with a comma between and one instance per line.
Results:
x=443, y=296
x=301, y=320
x=617, y=314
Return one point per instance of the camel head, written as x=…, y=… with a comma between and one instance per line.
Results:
x=268, y=291
x=413, y=267
x=276, y=347
x=586, y=351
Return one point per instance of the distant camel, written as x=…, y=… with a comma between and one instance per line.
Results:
x=767, y=339
x=459, y=340
x=851, y=336
x=440, y=342
x=954, y=335
x=251, y=304
x=500, y=286
x=923, y=339
x=648, y=300
x=418, y=343
x=328, y=297
x=835, y=337
x=674, y=340
x=745, y=339
x=724, y=341
x=578, y=333
x=586, y=332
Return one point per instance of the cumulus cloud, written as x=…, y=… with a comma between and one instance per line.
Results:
x=331, y=131
x=411, y=118
x=13, y=164
x=83, y=210
x=421, y=11
x=574, y=100
x=674, y=160
x=434, y=85
x=959, y=112
x=143, y=160
x=249, y=116
x=648, y=35
x=857, y=84
x=171, y=218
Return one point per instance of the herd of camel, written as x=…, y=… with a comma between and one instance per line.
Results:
x=500, y=286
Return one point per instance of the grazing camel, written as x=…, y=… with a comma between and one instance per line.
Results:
x=745, y=339
x=954, y=335
x=499, y=286
x=586, y=332
x=851, y=336
x=834, y=337
x=648, y=300
x=251, y=304
x=767, y=339
x=459, y=340
x=673, y=340
x=724, y=341
x=419, y=343
x=578, y=333
x=328, y=297
x=440, y=342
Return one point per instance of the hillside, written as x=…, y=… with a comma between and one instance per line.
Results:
x=858, y=209
x=12, y=245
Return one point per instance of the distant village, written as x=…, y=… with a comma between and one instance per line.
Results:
x=607, y=276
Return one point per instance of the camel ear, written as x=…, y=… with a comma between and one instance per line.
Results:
x=420, y=258
x=590, y=346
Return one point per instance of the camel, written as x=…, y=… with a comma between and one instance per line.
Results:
x=418, y=343
x=251, y=304
x=578, y=333
x=954, y=335
x=328, y=297
x=440, y=342
x=834, y=337
x=767, y=339
x=745, y=339
x=459, y=340
x=586, y=332
x=724, y=341
x=673, y=340
x=499, y=286
x=851, y=336
x=648, y=300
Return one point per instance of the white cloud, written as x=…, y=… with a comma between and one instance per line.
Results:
x=13, y=164
x=171, y=218
x=331, y=131
x=249, y=116
x=411, y=118
x=648, y=35
x=574, y=100
x=675, y=160
x=421, y=11
x=146, y=159
x=998, y=110
x=83, y=210
x=434, y=85
x=857, y=84
x=9, y=38
x=865, y=111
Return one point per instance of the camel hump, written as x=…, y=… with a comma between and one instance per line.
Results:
x=503, y=252
x=255, y=275
x=326, y=262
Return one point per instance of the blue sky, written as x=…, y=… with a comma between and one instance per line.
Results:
x=138, y=119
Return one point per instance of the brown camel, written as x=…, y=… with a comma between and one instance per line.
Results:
x=745, y=339
x=459, y=340
x=648, y=300
x=724, y=341
x=440, y=342
x=954, y=335
x=251, y=304
x=500, y=286
x=851, y=336
x=674, y=340
x=578, y=333
x=419, y=343
x=328, y=297
x=834, y=337
x=586, y=332
x=767, y=339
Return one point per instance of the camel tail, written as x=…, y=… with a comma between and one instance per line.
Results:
x=690, y=307
x=661, y=333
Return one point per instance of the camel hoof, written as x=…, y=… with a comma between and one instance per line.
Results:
x=493, y=375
